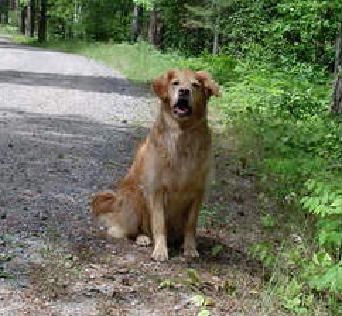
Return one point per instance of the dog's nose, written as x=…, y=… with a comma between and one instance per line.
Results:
x=183, y=92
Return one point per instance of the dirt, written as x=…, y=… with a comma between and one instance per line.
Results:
x=68, y=128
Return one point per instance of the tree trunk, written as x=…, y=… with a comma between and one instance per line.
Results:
x=154, y=28
x=6, y=17
x=3, y=11
x=336, y=107
x=136, y=22
x=42, y=21
x=23, y=14
x=216, y=36
x=32, y=17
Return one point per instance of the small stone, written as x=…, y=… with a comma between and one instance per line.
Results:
x=68, y=264
x=92, y=292
x=123, y=271
x=44, y=217
x=126, y=281
x=69, y=257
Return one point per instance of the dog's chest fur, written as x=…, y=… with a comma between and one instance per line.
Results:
x=186, y=159
x=180, y=161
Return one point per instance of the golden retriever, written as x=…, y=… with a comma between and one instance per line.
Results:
x=161, y=195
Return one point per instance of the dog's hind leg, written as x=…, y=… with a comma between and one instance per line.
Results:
x=116, y=213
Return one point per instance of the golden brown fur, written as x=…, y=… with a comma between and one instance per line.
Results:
x=161, y=195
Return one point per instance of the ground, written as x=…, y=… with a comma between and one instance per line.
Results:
x=68, y=128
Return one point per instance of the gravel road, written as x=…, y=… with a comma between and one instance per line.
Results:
x=68, y=127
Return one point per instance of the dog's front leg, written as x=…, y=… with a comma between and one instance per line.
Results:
x=160, y=252
x=190, y=229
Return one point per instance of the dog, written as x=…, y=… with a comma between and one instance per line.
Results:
x=161, y=195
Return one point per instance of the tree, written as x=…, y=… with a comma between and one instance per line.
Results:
x=32, y=17
x=23, y=15
x=336, y=106
x=136, y=21
x=155, y=27
x=209, y=16
x=3, y=11
x=154, y=22
x=42, y=29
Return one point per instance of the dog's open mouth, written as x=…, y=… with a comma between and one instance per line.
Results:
x=182, y=108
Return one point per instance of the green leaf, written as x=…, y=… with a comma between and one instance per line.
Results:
x=193, y=275
x=216, y=250
x=166, y=284
x=204, y=312
x=198, y=300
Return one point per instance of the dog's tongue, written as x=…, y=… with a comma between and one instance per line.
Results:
x=182, y=107
x=181, y=110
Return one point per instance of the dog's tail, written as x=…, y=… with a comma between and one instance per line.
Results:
x=103, y=203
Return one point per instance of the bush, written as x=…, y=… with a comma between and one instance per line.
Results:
x=222, y=67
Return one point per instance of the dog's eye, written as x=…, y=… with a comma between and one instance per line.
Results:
x=195, y=84
x=175, y=83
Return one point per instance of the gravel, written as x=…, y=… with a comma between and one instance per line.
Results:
x=65, y=123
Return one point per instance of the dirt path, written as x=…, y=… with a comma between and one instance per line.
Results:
x=68, y=127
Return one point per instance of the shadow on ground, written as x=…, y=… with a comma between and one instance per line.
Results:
x=72, y=82
x=49, y=166
x=10, y=45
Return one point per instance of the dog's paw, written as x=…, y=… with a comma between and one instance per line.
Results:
x=191, y=253
x=143, y=241
x=160, y=254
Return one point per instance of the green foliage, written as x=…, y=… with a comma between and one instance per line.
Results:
x=167, y=284
x=279, y=112
x=293, y=297
x=3, y=6
x=288, y=31
x=263, y=251
x=221, y=67
x=98, y=20
x=324, y=200
x=330, y=280
x=216, y=250
x=268, y=221
x=203, y=312
x=139, y=62
x=148, y=4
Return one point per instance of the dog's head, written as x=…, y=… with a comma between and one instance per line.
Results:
x=185, y=93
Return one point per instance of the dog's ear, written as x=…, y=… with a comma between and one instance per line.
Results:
x=211, y=87
x=161, y=84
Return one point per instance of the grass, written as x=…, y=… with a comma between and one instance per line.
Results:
x=12, y=32
x=139, y=62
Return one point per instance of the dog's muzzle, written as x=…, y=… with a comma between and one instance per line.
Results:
x=182, y=107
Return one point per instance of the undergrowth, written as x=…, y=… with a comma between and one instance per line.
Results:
x=285, y=131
